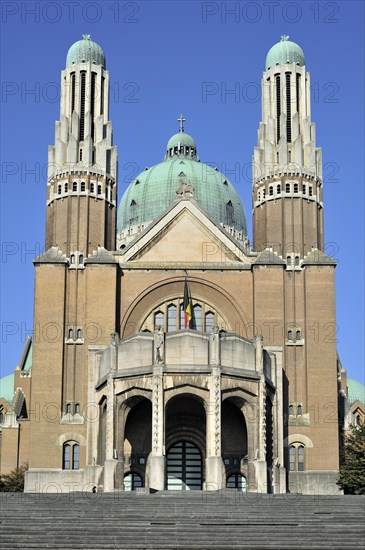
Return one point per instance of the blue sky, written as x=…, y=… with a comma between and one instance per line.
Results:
x=162, y=58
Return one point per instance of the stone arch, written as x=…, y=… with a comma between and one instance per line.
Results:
x=71, y=436
x=172, y=287
x=298, y=438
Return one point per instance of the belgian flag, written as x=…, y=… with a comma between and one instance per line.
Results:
x=187, y=306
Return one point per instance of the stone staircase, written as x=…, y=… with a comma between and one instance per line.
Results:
x=190, y=520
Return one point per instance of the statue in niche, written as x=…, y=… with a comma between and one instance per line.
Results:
x=159, y=345
x=214, y=346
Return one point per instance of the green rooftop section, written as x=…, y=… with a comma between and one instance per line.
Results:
x=85, y=50
x=154, y=190
x=7, y=387
x=356, y=391
x=284, y=52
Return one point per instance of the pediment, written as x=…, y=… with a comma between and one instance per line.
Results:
x=184, y=235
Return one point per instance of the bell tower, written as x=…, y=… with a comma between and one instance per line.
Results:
x=287, y=164
x=82, y=165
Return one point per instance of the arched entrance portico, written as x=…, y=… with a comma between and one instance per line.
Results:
x=185, y=439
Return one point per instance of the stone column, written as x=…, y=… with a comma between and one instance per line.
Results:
x=157, y=458
x=110, y=453
x=213, y=461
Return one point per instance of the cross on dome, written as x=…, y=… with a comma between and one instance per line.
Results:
x=181, y=121
x=284, y=37
x=86, y=36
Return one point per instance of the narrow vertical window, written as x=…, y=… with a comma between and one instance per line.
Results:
x=299, y=410
x=102, y=95
x=292, y=458
x=83, y=187
x=287, y=188
x=298, y=92
x=304, y=189
x=271, y=190
x=92, y=188
x=209, y=321
x=75, y=456
x=66, y=457
x=73, y=87
x=77, y=408
x=82, y=106
x=159, y=319
x=68, y=408
x=278, y=107
x=288, y=107
x=81, y=259
x=74, y=186
x=197, y=317
x=171, y=318
x=291, y=410
x=79, y=333
x=288, y=261
x=298, y=335
x=310, y=191
x=70, y=333
x=278, y=188
x=290, y=335
x=66, y=187
x=99, y=189
x=92, y=104
x=59, y=189
x=300, y=458
x=229, y=212
x=296, y=188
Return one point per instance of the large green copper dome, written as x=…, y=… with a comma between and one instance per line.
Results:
x=154, y=190
x=356, y=391
x=85, y=50
x=284, y=52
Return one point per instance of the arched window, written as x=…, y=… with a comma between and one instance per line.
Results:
x=299, y=410
x=209, y=321
x=70, y=333
x=132, y=481
x=171, y=317
x=68, y=408
x=59, y=189
x=291, y=410
x=271, y=190
x=278, y=188
x=182, y=317
x=81, y=259
x=66, y=187
x=83, y=187
x=296, y=188
x=159, y=319
x=310, y=191
x=287, y=188
x=296, y=262
x=70, y=456
x=290, y=335
x=229, y=213
x=298, y=335
x=296, y=458
x=72, y=258
x=99, y=189
x=288, y=261
x=79, y=333
x=304, y=189
x=77, y=408
x=197, y=317
x=92, y=188
x=74, y=186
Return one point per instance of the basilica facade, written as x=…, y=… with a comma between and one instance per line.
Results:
x=183, y=357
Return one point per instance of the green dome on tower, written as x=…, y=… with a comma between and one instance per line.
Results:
x=85, y=50
x=155, y=189
x=284, y=52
